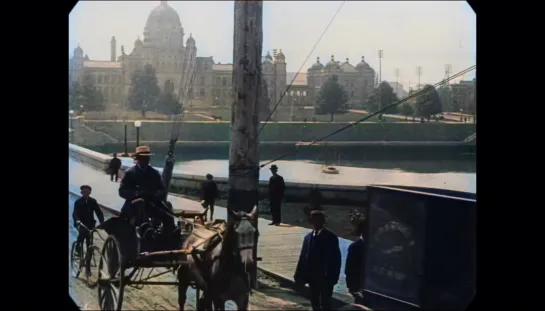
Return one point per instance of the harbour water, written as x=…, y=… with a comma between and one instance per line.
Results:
x=437, y=168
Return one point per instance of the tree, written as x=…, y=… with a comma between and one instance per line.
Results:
x=406, y=109
x=381, y=97
x=94, y=100
x=144, y=90
x=167, y=102
x=445, y=94
x=332, y=98
x=85, y=96
x=75, y=96
x=428, y=103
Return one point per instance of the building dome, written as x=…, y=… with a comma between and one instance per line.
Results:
x=317, y=65
x=163, y=17
x=78, y=52
x=138, y=42
x=268, y=58
x=190, y=40
x=332, y=64
x=363, y=65
x=280, y=56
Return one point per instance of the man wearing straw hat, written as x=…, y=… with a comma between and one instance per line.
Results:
x=144, y=192
x=319, y=264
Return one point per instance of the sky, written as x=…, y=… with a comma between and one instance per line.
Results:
x=429, y=34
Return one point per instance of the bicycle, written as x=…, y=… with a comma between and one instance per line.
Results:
x=90, y=255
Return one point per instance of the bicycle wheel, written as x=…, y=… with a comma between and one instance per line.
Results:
x=75, y=260
x=93, y=257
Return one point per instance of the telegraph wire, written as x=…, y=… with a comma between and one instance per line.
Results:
x=306, y=59
x=461, y=73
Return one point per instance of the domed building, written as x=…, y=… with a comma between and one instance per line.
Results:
x=174, y=59
x=358, y=81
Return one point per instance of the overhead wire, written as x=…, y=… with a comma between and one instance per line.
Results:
x=350, y=125
x=304, y=62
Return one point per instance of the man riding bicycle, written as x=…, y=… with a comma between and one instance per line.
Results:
x=83, y=217
x=144, y=192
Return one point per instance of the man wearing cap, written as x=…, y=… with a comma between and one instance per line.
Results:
x=83, y=214
x=276, y=193
x=319, y=264
x=209, y=193
x=144, y=192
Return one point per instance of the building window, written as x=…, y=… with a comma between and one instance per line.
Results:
x=224, y=81
x=351, y=94
x=99, y=79
x=106, y=79
x=201, y=93
x=202, y=80
x=190, y=93
x=305, y=93
x=217, y=82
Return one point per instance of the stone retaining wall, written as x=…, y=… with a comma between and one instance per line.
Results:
x=190, y=184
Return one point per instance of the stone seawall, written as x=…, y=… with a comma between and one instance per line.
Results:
x=190, y=184
x=292, y=132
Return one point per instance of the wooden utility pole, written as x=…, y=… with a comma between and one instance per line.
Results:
x=247, y=97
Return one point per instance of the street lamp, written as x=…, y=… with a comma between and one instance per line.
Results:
x=71, y=116
x=137, y=124
x=125, y=154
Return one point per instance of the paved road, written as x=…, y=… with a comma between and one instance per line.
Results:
x=269, y=296
x=278, y=246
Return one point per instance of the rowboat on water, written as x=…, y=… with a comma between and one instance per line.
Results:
x=329, y=170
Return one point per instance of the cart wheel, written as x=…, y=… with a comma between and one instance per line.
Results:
x=75, y=260
x=93, y=256
x=110, y=281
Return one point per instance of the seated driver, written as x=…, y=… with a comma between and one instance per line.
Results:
x=144, y=192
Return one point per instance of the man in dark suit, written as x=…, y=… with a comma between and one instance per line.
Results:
x=115, y=165
x=319, y=264
x=143, y=191
x=209, y=193
x=276, y=194
x=84, y=218
x=354, y=265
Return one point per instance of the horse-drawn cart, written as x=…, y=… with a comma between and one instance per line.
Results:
x=126, y=255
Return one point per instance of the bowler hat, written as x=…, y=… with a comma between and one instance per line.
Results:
x=274, y=167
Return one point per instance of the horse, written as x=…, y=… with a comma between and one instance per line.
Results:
x=222, y=270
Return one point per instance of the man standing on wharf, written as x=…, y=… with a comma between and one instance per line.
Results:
x=115, y=165
x=276, y=194
x=209, y=193
x=319, y=264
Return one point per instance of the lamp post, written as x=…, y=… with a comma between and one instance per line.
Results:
x=71, y=116
x=125, y=154
x=137, y=124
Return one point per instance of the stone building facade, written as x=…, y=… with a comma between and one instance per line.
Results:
x=358, y=81
x=163, y=47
